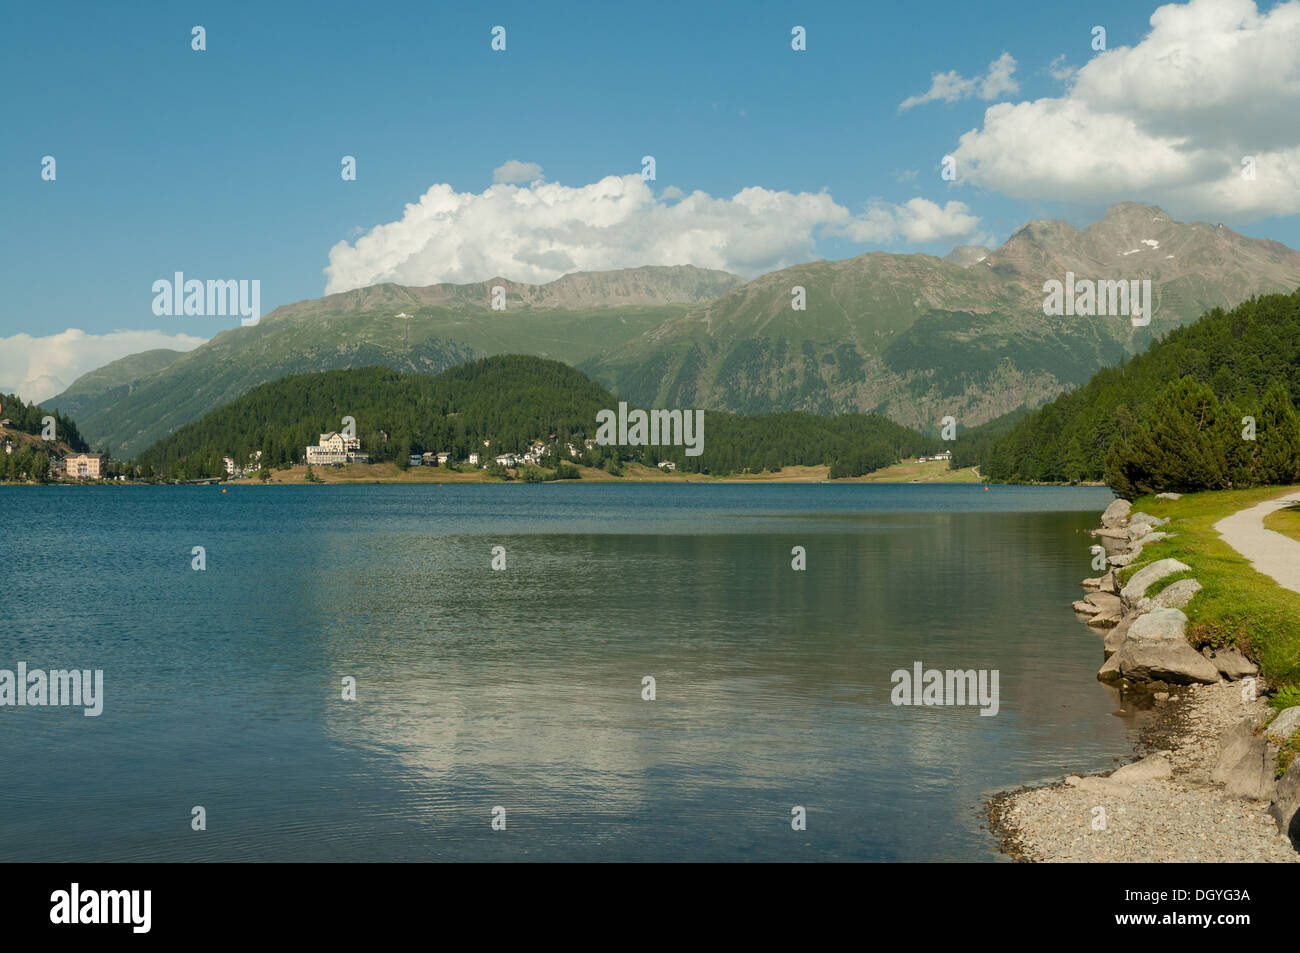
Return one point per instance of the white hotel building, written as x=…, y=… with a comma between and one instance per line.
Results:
x=336, y=449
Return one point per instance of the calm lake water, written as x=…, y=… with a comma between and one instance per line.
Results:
x=522, y=688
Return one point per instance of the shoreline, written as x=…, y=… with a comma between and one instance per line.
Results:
x=389, y=474
x=1202, y=787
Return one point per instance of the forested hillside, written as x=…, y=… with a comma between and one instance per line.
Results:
x=500, y=405
x=27, y=418
x=1139, y=424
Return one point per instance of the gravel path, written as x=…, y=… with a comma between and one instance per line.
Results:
x=1271, y=553
x=1186, y=817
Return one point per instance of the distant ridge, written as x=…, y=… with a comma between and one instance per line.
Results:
x=134, y=402
x=911, y=336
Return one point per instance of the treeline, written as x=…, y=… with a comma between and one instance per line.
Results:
x=1236, y=356
x=27, y=418
x=508, y=401
x=971, y=448
x=1193, y=441
x=501, y=405
x=851, y=444
x=27, y=462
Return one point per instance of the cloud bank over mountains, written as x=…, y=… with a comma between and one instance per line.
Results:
x=37, y=368
x=543, y=230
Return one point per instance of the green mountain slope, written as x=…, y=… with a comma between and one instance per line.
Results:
x=574, y=317
x=917, y=337
x=1236, y=355
x=113, y=381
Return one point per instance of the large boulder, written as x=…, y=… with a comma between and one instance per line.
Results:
x=1243, y=765
x=1173, y=596
x=1231, y=664
x=1153, y=767
x=1116, y=636
x=1286, y=804
x=1106, y=609
x=1103, y=786
x=1160, y=625
x=1140, y=518
x=1169, y=496
x=1106, y=618
x=1156, y=650
x=1136, y=587
x=1137, y=530
x=1285, y=725
x=1104, y=583
x=1233, y=744
x=1116, y=514
x=1110, y=669
x=1103, y=600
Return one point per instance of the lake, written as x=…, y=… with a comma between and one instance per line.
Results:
x=522, y=688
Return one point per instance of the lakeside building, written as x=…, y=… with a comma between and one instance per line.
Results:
x=335, y=449
x=473, y=459
x=416, y=460
x=85, y=466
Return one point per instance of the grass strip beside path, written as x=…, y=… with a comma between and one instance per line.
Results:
x=1286, y=522
x=1238, y=605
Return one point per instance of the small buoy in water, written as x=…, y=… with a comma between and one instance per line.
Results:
x=986, y=489
x=223, y=491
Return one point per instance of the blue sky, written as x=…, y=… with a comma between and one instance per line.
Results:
x=225, y=163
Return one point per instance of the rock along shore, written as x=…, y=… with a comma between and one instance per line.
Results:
x=1204, y=789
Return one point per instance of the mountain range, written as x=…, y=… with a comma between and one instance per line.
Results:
x=911, y=336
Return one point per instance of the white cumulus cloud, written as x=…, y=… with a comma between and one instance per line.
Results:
x=949, y=87
x=539, y=232
x=38, y=368
x=1169, y=120
x=516, y=171
x=917, y=221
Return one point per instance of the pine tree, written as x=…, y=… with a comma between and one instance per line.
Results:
x=1278, y=438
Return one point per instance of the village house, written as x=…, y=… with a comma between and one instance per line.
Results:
x=508, y=460
x=335, y=449
x=473, y=459
x=85, y=466
x=231, y=470
x=416, y=460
